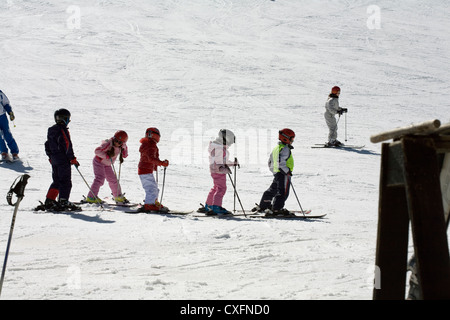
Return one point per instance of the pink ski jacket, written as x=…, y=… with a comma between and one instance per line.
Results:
x=218, y=158
x=101, y=152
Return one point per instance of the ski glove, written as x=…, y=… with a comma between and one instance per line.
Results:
x=75, y=162
x=225, y=169
x=110, y=152
x=165, y=163
x=11, y=116
x=342, y=110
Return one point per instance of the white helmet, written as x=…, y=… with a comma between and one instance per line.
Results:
x=226, y=137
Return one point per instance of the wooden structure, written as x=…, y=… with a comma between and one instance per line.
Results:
x=414, y=192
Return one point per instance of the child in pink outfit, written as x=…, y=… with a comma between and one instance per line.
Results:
x=219, y=167
x=105, y=155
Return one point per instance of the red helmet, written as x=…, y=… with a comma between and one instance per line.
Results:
x=153, y=133
x=121, y=136
x=286, y=135
x=335, y=89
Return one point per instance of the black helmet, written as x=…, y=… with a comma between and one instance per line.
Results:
x=62, y=116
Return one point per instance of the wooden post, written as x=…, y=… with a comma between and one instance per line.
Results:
x=427, y=216
x=410, y=191
x=393, y=227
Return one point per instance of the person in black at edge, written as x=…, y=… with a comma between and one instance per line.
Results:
x=58, y=148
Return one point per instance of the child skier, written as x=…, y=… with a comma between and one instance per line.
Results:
x=58, y=148
x=148, y=163
x=219, y=167
x=105, y=156
x=5, y=132
x=331, y=109
x=281, y=164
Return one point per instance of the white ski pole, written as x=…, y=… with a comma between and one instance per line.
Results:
x=346, y=127
x=95, y=196
x=164, y=182
x=295, y=193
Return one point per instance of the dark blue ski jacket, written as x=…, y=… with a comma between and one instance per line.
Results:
x=58, y=146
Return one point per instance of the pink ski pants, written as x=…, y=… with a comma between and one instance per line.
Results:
x=217, y=192
x=101, y=173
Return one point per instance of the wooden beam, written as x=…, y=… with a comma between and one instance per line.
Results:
x=425, y=127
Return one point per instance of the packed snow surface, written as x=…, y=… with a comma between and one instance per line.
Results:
x=191, y=68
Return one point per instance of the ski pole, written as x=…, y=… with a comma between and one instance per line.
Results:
x=95, y=196
x=118, y=179
x=117, y=175
x=295, y=193
x=18, y=189
x=164, y=182
x=234, y=201
x=346, y=127
x=114, y=168
x=235, y=192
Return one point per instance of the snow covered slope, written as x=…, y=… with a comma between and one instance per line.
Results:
x=191, y=68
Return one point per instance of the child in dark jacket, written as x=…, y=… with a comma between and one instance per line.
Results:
x=281, y=164
x=58, y=148
x=148, y=163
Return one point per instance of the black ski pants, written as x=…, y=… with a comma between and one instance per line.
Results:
x=62, y=181
x=277, y=193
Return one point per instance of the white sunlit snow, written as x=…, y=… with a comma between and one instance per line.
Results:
x=191, y=68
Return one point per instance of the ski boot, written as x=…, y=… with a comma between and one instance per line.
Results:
x=282, y=212
x=258, y=209
x=93, y=200
x=52, y=205
x=66, y=205
x=218, y=210
x=204, y=208
x=154, y=207
x=160, y=207
x=334, y=143
x=121, y=199
x=337, y=143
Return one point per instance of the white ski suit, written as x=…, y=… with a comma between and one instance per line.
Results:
x=331, y=109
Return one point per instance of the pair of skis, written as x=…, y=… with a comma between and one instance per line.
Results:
x=263, y=216
x=106, y=202
x=109, y=202
x=344, y=146
x=295, y=214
